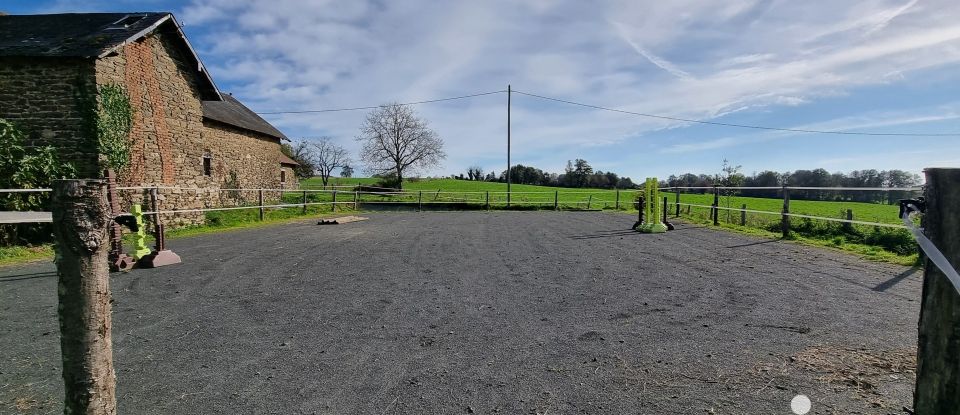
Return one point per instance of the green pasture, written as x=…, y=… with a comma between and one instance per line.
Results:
x=474, y=192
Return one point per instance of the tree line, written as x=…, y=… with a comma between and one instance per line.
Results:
x=577, y=174
x=732, y=177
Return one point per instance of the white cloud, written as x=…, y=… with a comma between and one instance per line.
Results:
x=707, y=60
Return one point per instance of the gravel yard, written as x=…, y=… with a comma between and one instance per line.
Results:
x=484, y=312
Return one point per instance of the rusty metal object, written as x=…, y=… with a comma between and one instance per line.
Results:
x=119, y=260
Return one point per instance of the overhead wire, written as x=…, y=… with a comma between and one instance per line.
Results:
x=610, y=109
x=383, y=105
x=724, y=124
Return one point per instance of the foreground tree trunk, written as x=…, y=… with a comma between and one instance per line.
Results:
x=81, y=222
x=938, y=351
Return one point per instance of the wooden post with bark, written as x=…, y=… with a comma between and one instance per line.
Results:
x=938, y=346
x=81, y=222
x=743, y=215
x=785, y=216
x=715, y=209
x=677, y=200
x=260, y=202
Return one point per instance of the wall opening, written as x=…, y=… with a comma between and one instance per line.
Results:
x=207, y=164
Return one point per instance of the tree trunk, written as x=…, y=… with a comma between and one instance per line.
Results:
x=399, y=178
x=81, y=220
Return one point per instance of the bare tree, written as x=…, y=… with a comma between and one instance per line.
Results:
x=327, y=157
x=395, y=140
x=475, y=172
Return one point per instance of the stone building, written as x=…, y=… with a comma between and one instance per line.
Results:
x=185, y=133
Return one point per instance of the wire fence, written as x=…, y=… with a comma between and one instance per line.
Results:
x=184, y=200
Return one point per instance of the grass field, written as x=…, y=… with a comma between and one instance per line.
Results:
x=606, y=199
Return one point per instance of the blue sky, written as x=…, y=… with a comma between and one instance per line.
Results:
x=878, y=66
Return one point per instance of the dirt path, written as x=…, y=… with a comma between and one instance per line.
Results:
x=505, y=312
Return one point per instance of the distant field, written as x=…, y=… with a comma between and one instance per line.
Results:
x=459, y=190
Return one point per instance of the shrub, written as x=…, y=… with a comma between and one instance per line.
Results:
x=26, y=168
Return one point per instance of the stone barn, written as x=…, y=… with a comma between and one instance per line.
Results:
x=185, y=132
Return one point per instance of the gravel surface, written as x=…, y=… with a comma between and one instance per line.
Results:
x=476, y=312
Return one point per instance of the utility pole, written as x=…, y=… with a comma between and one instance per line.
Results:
x=938, y=366
x=509, y=93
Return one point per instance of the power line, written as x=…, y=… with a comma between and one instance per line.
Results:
x=381, y=106
x=723, y=124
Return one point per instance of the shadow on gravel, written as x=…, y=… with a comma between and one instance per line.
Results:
x=30, y=276
x=753, y=243
x=883, y=286
x=606, y=234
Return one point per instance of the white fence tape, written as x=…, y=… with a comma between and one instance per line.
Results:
x=931, y=250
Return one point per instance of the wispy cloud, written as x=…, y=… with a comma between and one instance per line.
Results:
x=681, y=58
x=654, y=59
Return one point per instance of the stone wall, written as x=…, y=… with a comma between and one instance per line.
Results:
x=40, y=95
x=251, y=158
x=169, y=136
x=291, y=178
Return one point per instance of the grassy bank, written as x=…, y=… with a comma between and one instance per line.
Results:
x=866, y=251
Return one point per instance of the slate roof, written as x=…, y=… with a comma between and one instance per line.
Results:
x=97, y=35
x=87, y=35
x=90, y=35
x=284, y=159
x=232, y=112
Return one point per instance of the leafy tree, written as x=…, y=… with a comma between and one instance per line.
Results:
x=346, y=171
x=300, y=153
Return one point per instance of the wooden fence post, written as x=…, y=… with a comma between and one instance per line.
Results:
x=715, y=210
x=847, y=225
x=589, y=200
x=785, y=218
x=333, y=207
x=938, y=346
x=304, y=202
x=666, y=205
x=617, y=207
x=556, y=200
x=80, y=225
x=260, y=199
x=356, y=201
x=488, y=200
x=677, y=200
x=743, y=215
x=420, y=201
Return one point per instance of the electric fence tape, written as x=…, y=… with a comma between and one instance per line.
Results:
x=930, y=249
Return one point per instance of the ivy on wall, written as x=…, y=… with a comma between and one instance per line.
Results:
x=107, y=119
x=113, y=122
